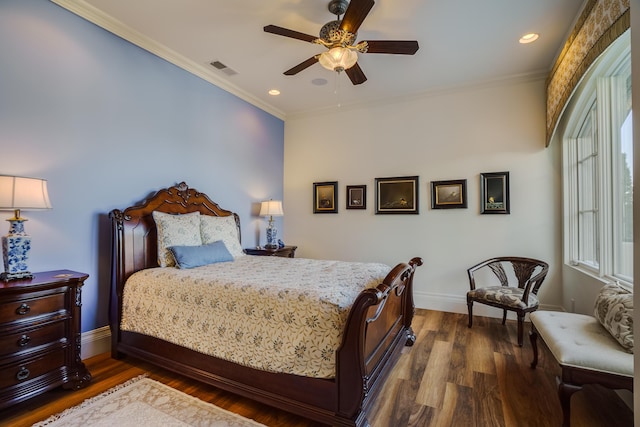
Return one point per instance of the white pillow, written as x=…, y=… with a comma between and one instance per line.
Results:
x=175, y=230
x=214, y=228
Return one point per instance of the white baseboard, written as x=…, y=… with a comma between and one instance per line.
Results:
x=458, y=304
x=95, y=342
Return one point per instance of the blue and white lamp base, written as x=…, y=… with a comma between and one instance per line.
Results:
x=272, y=236
x=15, y=251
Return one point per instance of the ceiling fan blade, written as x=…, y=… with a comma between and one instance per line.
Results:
x=356, y=75
x=355, y=14
x=301, y=66
x=273, y=29
x=398, y=47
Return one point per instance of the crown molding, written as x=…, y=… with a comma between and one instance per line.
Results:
x=99, y=18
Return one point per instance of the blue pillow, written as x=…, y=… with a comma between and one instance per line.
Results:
x=196, y=256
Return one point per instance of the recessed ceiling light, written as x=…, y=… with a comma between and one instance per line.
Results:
x=529, y=38
x=274, y=92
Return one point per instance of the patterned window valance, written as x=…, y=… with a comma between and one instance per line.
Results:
x=601, y=22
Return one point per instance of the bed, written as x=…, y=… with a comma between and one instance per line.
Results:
x=374, y=319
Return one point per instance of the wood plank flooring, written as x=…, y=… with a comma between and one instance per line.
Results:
x=452, y=376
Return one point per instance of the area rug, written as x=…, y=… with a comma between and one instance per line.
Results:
x=145, y=402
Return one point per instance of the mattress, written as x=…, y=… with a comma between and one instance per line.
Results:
x=269, y=313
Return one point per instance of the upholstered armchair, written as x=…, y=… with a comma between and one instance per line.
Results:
x=518, y=286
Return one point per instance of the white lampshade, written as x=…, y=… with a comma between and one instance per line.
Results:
x=271, y=208
x=18, y=192
x=338, y=59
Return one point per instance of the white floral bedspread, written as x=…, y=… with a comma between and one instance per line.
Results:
x=270, y=313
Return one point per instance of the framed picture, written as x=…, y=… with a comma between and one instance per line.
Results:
x=449, y=194
x=356, y=196
x=325, y=197
x=494, y=193
x=397, y=195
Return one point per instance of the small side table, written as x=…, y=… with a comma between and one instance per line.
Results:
x=285, y=252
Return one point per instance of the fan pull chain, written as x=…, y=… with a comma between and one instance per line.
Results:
x=336, y=88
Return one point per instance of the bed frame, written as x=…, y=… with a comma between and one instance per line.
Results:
x=378, y=327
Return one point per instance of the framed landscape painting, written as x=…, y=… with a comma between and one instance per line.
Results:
x=449, y=194
x=397, y=195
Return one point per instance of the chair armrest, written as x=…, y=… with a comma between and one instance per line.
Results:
x=471, y=270
x=533, y=284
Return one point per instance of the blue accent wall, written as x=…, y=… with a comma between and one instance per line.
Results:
x=107, y=124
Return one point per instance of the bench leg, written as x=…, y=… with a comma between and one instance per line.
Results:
x=565, y=391
x=533, y=337
x=520, y=328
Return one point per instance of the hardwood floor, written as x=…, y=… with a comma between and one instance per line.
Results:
x=452, y=376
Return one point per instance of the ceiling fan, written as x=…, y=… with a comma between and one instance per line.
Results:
x=339, y=37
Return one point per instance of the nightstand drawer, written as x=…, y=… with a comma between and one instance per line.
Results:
x=27, y=308
x=20, y=372
x=28, y=339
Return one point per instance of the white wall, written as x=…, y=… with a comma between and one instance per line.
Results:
x=448, y=135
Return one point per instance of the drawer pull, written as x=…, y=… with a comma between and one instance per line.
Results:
x=23, y=374
x=23, y=309
x=24, y=340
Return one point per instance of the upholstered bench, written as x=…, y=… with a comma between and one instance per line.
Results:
x=585, y=349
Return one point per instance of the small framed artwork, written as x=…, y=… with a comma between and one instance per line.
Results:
x=325, y=197
x=494, y=193
x=397, y=195
x=356, y=196
x=449, y=194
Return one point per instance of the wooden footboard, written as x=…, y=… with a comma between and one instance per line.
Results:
x=378, y=327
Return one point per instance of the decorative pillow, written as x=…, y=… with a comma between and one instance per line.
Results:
x=214, y=228
x=175, y=230
x=196, y=256
x=614, y=310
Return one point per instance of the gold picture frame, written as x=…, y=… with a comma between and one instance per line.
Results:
x=325, y=197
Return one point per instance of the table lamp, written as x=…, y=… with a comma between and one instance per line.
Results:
x=16, y=194
x=271, y=208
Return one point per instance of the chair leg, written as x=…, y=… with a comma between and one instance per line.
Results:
x=520, y=329
x=504, y=316
x=470, y=308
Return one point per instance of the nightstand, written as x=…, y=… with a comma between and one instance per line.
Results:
x=40, y=335
x=285, y=252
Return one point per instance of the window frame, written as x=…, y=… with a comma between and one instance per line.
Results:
x=601, y=89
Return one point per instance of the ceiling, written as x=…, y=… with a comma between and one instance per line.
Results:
x=462, y=43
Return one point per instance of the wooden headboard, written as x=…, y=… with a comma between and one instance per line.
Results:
x=133, y=230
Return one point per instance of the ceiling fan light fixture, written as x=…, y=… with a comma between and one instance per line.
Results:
x=338, y=59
